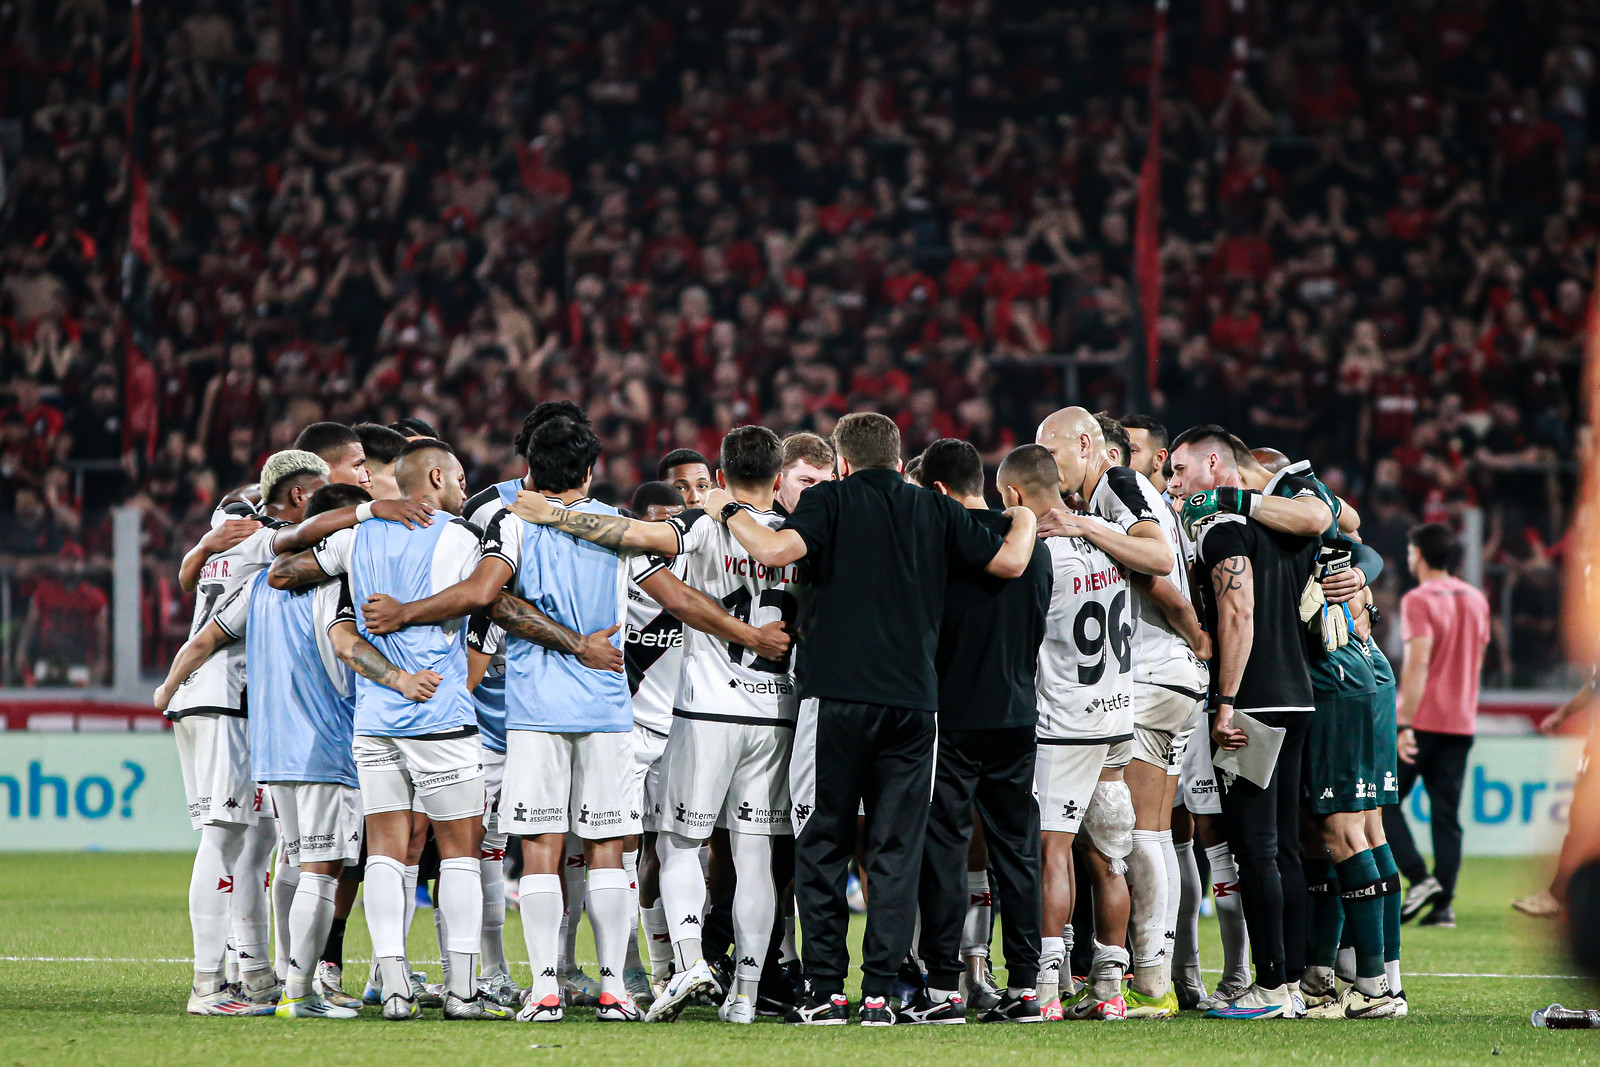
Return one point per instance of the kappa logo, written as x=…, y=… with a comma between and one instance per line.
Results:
x=548, y=972
x=230, y=803
x=1327, y=794
x=802, y=812
x=634, y=816
x=747, y=961
x=690, y=920
x=607, y=972
x=294, y=963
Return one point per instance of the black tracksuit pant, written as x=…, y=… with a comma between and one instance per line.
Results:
x=882, y=756
x=1441, y=763
x=994, y=769
x=1263, y=828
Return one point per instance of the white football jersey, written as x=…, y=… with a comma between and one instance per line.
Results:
x=1160, y=657
x=728, y=682
x=653, y=648
x=217, y=686
x=1085, y=679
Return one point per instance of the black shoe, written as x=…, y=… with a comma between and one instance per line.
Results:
x=722, y=969
x=1019, y=1009
x=909, y=982
x=775, y=995
x=817, y=1010
x=924, y=1010
x=1442, y=915
x=875, y=1011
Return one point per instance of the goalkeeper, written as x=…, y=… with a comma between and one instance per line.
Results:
x=1349, y=769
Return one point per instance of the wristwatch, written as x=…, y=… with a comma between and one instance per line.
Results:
x=729, y=510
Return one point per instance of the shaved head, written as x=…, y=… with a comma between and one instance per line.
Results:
x=1270, y=459
x=429, y=469
x=1073, y=438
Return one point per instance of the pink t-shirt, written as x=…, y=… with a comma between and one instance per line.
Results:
x=1456, y=616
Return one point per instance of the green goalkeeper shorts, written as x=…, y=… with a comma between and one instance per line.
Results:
x=1345, y=768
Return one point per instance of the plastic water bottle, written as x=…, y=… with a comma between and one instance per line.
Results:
x=1555, y=1017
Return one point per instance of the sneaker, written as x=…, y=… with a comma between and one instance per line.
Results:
x=221, y=1002
x=636, y=980
x=615, y=1009
x=979, y=989
x=680, y=989
x=722, y=971
x=875, y=1011
x=426, y=996
x=1317, y=988
x=1402, y=1007
x=1297, y=1002
x=1016, y=1009
x=816, y=1010
x=738, y=1008
x=777, y=993
x=329, y=984
x=1224, y=992
x=1442, y=916
x=372, y=995
x=1256, y=1003
x=500, y=989
x=545, y=1010
x=1419, y=896
x=1540, y=905
x=1144, y=1007
x=477, y=1006
x=398, y=1008
x=1087, y=1006
x=263, y=1000
x=578, y=989
x=1191, y=993
x=312, y=1006
x=1357, y=1005
x=923, y=1010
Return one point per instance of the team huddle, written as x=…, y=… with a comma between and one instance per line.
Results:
x=698, y=715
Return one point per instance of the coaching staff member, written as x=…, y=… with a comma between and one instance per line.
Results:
x=879, y=549
x=987, y=658
x=1251, y=579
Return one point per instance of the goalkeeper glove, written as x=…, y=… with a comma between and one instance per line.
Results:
x=1224, y=499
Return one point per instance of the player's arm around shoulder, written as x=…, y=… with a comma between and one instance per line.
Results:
x=774, y=548
x=616, y=532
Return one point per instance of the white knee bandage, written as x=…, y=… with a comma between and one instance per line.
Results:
x=1109, y=822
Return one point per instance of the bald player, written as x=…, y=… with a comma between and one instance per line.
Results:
x=405, y=749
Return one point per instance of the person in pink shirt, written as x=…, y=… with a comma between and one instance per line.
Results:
x=1445, y=625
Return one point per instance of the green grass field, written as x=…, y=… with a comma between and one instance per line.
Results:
x=121, y=1006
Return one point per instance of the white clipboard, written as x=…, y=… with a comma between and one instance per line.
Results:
x=1256, y=761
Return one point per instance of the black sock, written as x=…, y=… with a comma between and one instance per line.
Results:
x=333, y=948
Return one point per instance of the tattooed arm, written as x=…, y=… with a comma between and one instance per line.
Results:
x=296, y=569
x=367, y=661
x=1233, y=583
x=616, y=532
x=595, y=651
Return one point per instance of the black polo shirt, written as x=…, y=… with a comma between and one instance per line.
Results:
x=1277, y=676
x=880, y=551
x=989, y=641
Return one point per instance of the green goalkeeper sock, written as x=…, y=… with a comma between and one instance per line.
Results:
x=1326, y=913
x=1361, y=893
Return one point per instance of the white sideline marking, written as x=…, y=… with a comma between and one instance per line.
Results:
x=352, y=959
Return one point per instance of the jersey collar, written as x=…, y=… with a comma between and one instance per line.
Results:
x=1301, y=467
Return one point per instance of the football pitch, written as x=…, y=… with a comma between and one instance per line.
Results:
x=93, y=971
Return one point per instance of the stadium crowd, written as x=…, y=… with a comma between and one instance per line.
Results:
x=1378, y=227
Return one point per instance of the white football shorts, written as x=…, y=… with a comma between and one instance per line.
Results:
x=1064, y=777
x=727, y=774
x=581, y=783
x=214, y=757
x=442, y=777
x=319, y=822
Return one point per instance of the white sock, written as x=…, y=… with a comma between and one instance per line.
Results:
x=210, y=885
x=441, y=934
x=310, y=916
x=461, y=904
x=285, y=880
x=540, y=896
x=1052, y=954
x=412, y=877
x=630, y=867
x=1110, y=964
x=572, y=874
x=683, y=894
x=1391, y=971
x=385, y=905
x=1169, y=921
x=657, y=939
x=611, y=908
x=787, y=949
x=755, y=907
x=250, y=908
x=975, y=930
x=1186, y=946
x=1230, y=915
x=492, y=873
x=1147, y=891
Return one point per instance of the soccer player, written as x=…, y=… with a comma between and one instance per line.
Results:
x=1252, y=603
x=689, y=473
x=807, y=460
x=1168, y=692
x=404, y=749
x=381, y=446
x=880, y=552
x=207, y=710
x=726, y=758
x=1085, y=711
x=340, y=447
x=987, y=657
